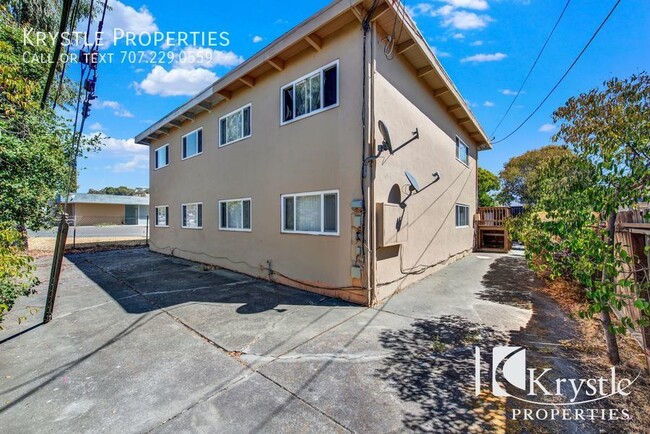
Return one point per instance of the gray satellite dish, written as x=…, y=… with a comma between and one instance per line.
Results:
x=386, y=143
x=414, y=182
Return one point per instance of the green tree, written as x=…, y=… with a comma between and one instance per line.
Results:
x=488, y=185
x=519, y=175
x=608, y=134
x=36, y=153
x=121, y=191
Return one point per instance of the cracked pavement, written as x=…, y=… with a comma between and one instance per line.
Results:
x=141, y=342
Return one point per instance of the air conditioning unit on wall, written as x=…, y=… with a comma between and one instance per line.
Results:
x=392, y=224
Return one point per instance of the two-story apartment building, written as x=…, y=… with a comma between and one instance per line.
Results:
x=275, y=170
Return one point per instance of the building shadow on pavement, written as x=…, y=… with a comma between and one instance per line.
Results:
x=163, y=281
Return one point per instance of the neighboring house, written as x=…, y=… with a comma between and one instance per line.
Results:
x=86, y=209
x=267, y=171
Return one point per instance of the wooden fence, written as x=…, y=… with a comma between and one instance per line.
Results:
x=634, y=235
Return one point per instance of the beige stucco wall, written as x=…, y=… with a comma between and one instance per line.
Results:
x=88, y=214
x=404, y=103
x=321, y=152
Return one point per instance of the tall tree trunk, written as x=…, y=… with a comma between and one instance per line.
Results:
x=605, y=317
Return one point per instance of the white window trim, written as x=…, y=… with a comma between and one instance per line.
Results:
x=456, y=215
x=322, y=216
x=221, y=228
x=240, y=109
x=156, y=158
x=185, y=135
x=457, y=142
x=191, y=203
x=322, y=90
x=156, y=216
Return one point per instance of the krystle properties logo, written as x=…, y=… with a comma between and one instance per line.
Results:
x=511, y=377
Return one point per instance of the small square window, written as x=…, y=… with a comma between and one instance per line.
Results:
x=192, y=215
x=192, y=144
x=235, y=215
x=161, y=157
x=235, y=126
x=462, y=216
x=462, y=152
x=162, y=216
x=311, y=213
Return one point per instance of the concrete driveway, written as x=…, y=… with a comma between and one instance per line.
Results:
x=141, y=342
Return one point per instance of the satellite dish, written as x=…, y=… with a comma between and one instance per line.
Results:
x=386, y=143
x=414, y=182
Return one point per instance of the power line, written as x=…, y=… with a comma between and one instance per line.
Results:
x=563, y=76
x=531, y=68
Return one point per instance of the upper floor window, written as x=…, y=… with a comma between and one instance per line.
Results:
x=192, y=143
x=310, y=94
x=311, y=213
x=235, y=126
x=462, y=151
x=161, y=158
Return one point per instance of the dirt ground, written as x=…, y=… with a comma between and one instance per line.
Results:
x=590, y=348
x=44, y=246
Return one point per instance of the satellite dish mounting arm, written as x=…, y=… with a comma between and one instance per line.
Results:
x=416, y=135
x=415, y=189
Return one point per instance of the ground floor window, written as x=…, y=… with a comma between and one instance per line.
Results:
x=235, y=214
x=462, y=216
x=162, y=216
x=192, y=215
x=311, y=213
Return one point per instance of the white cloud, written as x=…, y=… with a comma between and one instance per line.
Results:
x=121, y=146
x=476, y=43
x=176, y=82
x=509, y=92
x=488, y=104
x=479, y=5
x=137, y=162
x=194, y=57
x=128, y=19
x=479, y=58
x=257, y=39
x=547, y=128
x=455, y=13
x=463, y=20
x=419, y=9
x=118, y=109
x=458, y=36
x=439, y=53
x=96, y=127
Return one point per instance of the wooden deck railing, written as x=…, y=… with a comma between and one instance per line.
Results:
x=492, y=215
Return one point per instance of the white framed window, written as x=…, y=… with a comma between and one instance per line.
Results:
x=161, y=157
x=162, y=216
x=315, y=213
x=462, y=151
x=192, y=144
x=192, y=215
x=311, y=94
x=235, y=215
x=462, y=216
x=235, y=126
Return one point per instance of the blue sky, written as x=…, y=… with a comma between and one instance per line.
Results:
x=486, y=46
